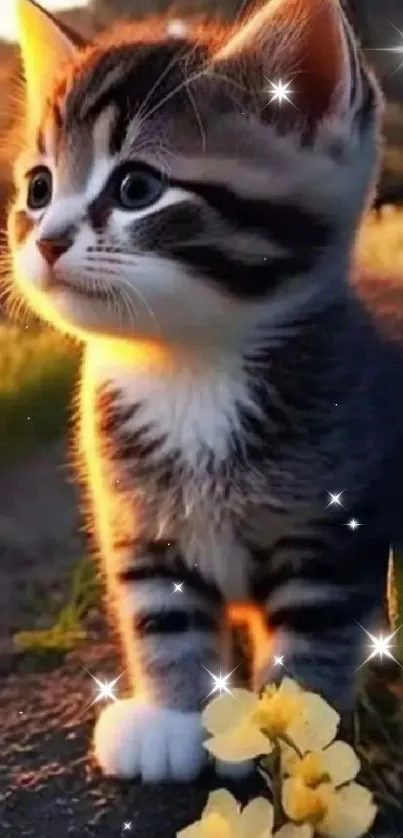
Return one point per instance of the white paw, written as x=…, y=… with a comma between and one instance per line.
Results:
x=234, y=770
x=136, y=739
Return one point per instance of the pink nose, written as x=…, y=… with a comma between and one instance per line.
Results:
x=53, y=248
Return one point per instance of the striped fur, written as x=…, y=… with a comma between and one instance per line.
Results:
x=231, y=378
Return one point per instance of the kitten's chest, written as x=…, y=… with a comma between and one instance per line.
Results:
x=164, y=444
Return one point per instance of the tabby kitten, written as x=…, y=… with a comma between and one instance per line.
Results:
x=197, y=237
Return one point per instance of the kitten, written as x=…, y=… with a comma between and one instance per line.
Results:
x=196, y=234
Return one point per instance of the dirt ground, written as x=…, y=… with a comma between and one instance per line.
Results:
x=49, y=785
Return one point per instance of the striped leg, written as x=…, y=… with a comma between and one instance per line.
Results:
x=171, y=625
x=318, y=604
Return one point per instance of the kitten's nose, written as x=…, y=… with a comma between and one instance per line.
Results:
x=53, y=247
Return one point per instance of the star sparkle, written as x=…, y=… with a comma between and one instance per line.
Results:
x=106, y=689
x=220, y=682
x=335, y=498
x=381, y=646
x=353, y=524
x=398, y=48
x=280, y=92
x=177, y=587
x=278, y=660
x=127, y=826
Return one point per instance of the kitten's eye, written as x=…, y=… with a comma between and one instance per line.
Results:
x=137, y=188
x=39, y=188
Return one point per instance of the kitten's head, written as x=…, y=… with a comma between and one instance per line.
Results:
x=164, y=191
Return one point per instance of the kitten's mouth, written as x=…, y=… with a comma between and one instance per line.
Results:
x=54, y=283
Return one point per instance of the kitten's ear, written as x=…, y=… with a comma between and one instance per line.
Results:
x=45, y=46
x=302, y=42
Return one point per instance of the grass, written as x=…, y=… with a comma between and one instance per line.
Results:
x=69, y=626
x=37, y=372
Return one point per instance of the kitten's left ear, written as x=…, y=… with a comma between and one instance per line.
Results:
x=301, y=42
x=45, y=46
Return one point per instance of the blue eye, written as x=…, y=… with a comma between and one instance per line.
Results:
x=137, y=187
x=39, y=188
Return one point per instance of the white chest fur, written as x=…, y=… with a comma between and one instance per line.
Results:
x=193, y=406
x=192, y=402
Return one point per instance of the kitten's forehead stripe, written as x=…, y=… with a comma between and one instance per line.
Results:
x=125, y=77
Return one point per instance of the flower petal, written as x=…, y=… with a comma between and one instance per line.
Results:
x=193, y=831
x=243, y=742
x=351, y=815
x=302, y=803
x=228, y=710
x=292, y=830
x=222, y=802
x=288, y=759
x=341, y=762
x=316, y=724
x=290, y=687
x=257, y=819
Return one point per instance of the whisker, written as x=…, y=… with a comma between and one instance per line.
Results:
x=142, y=112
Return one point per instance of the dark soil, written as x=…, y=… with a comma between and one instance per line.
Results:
x=49, y=787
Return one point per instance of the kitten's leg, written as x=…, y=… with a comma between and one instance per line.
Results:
x=318, y=603
x=172, y=640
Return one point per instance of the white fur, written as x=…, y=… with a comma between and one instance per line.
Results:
x=191, y=400
x=136, y=739
x=191, y=403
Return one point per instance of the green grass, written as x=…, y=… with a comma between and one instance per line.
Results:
x=68, y=628
x=37, y=372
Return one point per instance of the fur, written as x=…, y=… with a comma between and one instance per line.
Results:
x=231, y=377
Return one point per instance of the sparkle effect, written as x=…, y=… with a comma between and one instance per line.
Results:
x=279, y=91
x=127, y=826
x=381, y=646
x=106, y=689
x=278, y=661
x=220, y=682
x=398, y=49
x=353, y=524
x=178, y=587
x=335, y=499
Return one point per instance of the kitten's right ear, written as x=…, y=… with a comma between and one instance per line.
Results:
x=45, y=46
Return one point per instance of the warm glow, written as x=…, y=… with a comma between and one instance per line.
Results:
x=103, y=508
x=250, y=615
x=8, y=18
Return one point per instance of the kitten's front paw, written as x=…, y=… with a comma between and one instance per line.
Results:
x=136, y=739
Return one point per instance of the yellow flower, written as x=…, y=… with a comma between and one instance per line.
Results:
x=244, y=726
x=223, y=818
x=302, y=717
x=235, y=733
x=346, y=812
x=337, y=764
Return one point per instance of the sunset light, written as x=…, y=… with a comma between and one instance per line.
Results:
x=8, y=22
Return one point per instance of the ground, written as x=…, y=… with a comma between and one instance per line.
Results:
x=49, y=787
